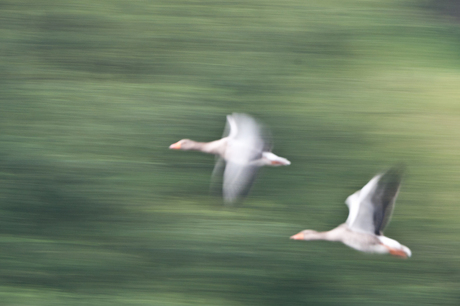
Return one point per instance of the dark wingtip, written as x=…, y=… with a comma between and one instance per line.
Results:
x=395, y=173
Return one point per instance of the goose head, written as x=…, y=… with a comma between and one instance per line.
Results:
x=308, y=235
x=184, y=144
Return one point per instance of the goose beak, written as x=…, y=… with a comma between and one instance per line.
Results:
x=298, y=236
x=175, y=146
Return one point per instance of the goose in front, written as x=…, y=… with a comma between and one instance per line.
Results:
x=370, y=211
x=242, y=150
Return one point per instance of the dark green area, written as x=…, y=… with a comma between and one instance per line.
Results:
x=95, y=210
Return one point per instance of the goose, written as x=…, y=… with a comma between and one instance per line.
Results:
x=242, y=150
x=370, y=211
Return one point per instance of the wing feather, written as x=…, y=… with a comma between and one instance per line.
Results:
x=384, y=198
x=245, y=144
x=361, y=210
x=370, y=208
x=238, y=180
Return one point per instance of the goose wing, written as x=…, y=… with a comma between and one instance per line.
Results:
x=245, y=144
x=245, y=139
x=372, y=206
x=238, y=180
x=384, y=197
x=230, y=131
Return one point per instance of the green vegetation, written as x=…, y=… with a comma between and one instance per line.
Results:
x=95, y=210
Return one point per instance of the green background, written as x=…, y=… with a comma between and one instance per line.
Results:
x=95, y=210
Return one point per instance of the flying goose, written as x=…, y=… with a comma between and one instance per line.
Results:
x=243, y=150
x=370, y=211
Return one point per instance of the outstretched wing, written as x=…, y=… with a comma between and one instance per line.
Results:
x=231, y=128
x=384, y=197
x=245, y=144
x=245, y=139
x=372, y=206
x=238, y=181
x=216, y=177
x=361, y=210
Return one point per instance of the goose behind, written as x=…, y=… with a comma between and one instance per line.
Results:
x=243, y=149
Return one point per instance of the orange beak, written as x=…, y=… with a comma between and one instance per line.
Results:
x=175, y=146
x=298, y=236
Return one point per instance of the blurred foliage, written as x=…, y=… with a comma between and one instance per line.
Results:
x=95, y=210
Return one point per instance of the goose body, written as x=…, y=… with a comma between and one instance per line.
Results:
x=370, y=210
x=241, y=152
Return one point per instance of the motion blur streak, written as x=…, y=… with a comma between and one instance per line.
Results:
x=96, y=210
